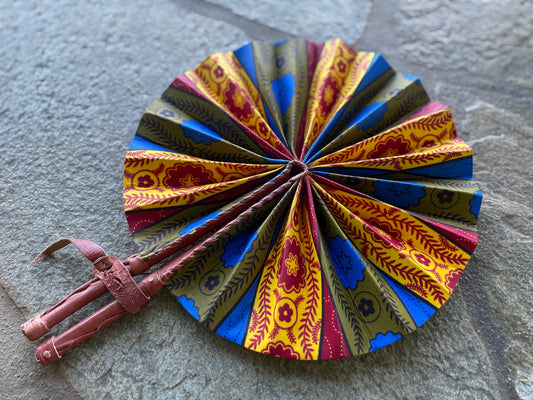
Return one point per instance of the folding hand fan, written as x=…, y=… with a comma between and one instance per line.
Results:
x=315, y=202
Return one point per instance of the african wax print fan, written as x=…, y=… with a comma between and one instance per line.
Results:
x=314, y=204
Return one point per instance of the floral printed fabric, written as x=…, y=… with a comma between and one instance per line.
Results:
x=360, y=250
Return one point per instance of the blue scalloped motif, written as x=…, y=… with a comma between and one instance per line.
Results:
x=382, y=340
x=199, y=132
x=189, y=228
x=245, y=55
x=279, y=42
x=419, y=310
x=377, y=67
x=369, y=116
x=235, y=324
x=140, y=143
x=283, y=89
x=412, y=78
x=475, y=203
x=346, y=262
x=235, y=250
x=455, y=169
x=188, y=304
x=399, y=194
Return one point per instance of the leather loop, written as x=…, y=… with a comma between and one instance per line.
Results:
x=118, y=280
x=110, y=270
x=86, y=247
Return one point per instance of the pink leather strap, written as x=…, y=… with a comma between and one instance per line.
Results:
x=110, y=270
x=86, y=247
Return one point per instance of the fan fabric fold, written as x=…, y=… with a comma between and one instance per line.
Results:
x=362, y=248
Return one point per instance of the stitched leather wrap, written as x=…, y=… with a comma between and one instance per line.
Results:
x=118, y=280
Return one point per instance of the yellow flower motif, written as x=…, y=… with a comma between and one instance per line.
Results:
x=292, y=264
x=189, y=180
x=328, y=95
x=238, y=99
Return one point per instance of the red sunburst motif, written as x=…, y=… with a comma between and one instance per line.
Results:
x=187, y=175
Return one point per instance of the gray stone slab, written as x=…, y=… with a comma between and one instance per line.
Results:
x=311, y=19
x=78, y=80
x=490, y=38
x=503, y=144
x=464, y=51
x=20, y=378
x=164, y=353
x=477, y=68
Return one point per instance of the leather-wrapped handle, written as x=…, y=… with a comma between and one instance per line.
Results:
x=53, y=348
x=85, y=294
x=42, y=323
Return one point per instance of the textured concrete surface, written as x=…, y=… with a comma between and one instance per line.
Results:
x=306, y=18
x=74, y=79
x=20, y=378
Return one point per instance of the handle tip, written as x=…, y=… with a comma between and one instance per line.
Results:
x=47, y=353
x=34, y=328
